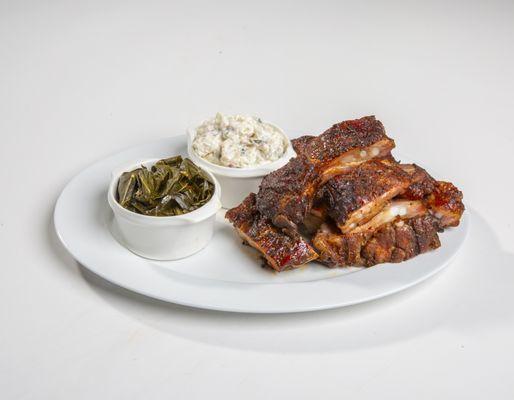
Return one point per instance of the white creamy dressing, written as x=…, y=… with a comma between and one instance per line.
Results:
x=238, y=141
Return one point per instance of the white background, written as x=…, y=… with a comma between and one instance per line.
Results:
x=79, y=81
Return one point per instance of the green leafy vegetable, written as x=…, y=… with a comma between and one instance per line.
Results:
x=173, y=186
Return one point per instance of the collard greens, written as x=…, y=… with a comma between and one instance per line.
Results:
x=173, y=186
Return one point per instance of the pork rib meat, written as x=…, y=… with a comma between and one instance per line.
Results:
x=280, y=251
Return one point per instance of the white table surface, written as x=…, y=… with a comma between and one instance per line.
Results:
x=79, y=81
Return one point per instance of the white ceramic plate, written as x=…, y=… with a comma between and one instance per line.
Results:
x=225, y=275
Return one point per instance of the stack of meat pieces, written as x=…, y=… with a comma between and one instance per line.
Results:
x=345, y=201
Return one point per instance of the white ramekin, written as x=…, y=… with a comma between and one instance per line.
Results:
x=237, y=183
x=164, y=238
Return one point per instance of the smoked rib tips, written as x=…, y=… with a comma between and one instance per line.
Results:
x=279, y=250
x=346, y=145
x=443, y=199
x=286, y=195
x=354, y=197
x=350, y=141
x=422, y=184
x=445, y=202
x=393, y=242
x=345, y=201
x=301, y=142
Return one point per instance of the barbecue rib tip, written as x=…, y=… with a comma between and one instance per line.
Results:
x=286, y=195
x=280, y=251
x=445, y=202
x=422, y=184
x=354, y=197
x=395, y=241
x=345, y=201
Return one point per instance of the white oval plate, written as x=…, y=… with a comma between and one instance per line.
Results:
x=225, y=275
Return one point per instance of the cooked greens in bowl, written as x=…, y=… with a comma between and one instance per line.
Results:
x=172, y=186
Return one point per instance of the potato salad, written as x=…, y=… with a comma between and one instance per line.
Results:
x=239, y=141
